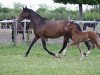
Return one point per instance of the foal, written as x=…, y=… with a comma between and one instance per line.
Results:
x=79, y=37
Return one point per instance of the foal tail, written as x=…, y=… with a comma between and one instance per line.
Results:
x=95, y=38
x=98, y=34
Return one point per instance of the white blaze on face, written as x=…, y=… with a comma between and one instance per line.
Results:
x=65, y=28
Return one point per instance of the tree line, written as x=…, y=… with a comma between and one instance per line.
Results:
x=52, y=14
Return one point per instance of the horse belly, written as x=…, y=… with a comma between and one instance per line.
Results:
x=53, y=34
x=54, y=30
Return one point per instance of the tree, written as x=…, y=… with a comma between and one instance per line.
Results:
x=18, y=6
x=79, y=2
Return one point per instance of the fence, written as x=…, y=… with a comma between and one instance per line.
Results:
x=6, y=33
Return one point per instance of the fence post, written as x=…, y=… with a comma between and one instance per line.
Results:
x=15, y=31
x=24, y=30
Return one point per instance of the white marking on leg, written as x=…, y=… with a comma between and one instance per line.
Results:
x=57, y=55
x=64, y=51
x=88, y=52
x=82, y=55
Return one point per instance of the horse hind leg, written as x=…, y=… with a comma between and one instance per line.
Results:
x=95, y=41
x=89, y=51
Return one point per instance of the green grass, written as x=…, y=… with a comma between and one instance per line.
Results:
x=39, y=62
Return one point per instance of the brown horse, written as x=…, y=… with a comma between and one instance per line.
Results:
x=79, y=37
x=44, y=29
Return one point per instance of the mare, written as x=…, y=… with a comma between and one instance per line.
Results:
x=91, y=25
x=79, y=37
x=44, y=29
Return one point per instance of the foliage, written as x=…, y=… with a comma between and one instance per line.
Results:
x=91, y=16
x=52, y=14
x=7, y=13
x=91, y=2
x=80, y=2
x=57, y=14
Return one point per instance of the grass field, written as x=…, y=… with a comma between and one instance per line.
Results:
x=39, y=62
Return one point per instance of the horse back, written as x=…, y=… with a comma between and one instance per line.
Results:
x=92, y=34
x=53, y=29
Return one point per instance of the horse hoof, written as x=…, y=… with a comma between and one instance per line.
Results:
x=57, y=55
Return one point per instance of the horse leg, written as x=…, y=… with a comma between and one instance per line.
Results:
x=96, y=43
x=32, y=43
x=45, y=47
x=13, y=35
x=66, y=39
x=90, y=49
x=23, y=37
x=88, y=44
x=64, y=51
x=81, y=52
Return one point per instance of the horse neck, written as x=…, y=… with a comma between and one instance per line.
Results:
x=74, y=31
x=36, y=20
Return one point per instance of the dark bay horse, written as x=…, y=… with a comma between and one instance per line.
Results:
x=44, y=29
x=79, y=37
x=91, y=25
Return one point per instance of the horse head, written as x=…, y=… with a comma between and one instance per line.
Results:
x=69, y=26
x=24, y=14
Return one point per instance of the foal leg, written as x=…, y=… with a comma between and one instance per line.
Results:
x=81, y=52
x=89, y=45
x=32, y=43
x=90, y=49
x=44, y=46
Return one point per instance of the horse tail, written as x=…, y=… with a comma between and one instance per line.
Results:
x=95, y=39
x=98, y=34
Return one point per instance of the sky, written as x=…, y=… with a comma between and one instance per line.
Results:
x=34, y=4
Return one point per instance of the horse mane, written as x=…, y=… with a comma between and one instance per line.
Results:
x=78, y=27
x=31, y=11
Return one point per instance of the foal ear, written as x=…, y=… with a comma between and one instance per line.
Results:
x=70, y=23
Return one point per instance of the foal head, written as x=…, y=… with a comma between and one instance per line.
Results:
x=70, y=26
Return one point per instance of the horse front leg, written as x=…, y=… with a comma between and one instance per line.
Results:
x=81, y=52
x=66, y=39
x=45, y=47
x=32, y=43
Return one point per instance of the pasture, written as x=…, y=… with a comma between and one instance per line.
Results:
x=39, y=62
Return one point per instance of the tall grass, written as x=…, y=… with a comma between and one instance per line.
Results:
x=39, y=62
